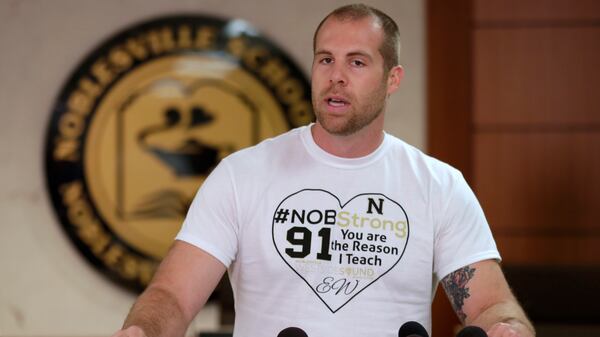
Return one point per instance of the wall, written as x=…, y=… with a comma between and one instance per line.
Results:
x=47, y=287
x=514, y=105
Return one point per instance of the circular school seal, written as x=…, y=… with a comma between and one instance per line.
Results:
x=145, y=118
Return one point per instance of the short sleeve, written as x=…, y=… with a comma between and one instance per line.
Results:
x=463, y=235
x=211, y=222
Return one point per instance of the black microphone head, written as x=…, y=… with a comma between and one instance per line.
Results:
x=472, y=331
x=292, y=332
x=413, y=329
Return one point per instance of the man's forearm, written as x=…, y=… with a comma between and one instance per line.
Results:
x=505, y=312
x=158, y=314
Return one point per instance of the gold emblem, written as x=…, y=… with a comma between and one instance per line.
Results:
x=146, y=118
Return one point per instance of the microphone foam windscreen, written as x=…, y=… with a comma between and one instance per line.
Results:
x=412, y=328
x=472, y=331
x=292, y=332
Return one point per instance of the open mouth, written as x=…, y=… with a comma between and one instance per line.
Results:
x=336, y=102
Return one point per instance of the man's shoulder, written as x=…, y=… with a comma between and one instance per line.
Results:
x=424, y=165
x=413, y=154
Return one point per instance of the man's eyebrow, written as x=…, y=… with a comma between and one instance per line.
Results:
x=322, y=52
x=360, y=53
x=350, y=54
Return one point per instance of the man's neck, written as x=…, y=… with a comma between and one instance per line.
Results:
x=358, y=144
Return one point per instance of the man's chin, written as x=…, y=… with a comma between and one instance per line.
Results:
x=340, y=125
x=338, y=129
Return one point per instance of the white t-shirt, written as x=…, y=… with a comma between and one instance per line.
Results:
x=335, y=246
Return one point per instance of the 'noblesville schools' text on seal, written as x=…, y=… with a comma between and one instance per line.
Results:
x=143, y=121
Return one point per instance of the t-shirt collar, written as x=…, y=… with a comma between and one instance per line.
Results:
x=348, y=163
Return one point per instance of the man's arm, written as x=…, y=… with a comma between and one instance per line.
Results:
x=480, y=296
x=182, y=284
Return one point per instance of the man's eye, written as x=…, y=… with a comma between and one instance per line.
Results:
x=326, y=60
x=358, y=63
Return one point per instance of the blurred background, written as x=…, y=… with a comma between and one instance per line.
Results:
x=512, y=102
x=504, y=90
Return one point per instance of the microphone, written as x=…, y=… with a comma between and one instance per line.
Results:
x=292, y=332
x=412, y=329
x=472, y=331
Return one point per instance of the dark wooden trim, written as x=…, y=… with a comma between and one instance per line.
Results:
x=449, y=82
x=550, y=294
x=449, y=127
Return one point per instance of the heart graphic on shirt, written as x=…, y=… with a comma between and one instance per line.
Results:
x=339, y=249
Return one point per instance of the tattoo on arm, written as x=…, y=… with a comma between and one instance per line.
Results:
x=455, y=286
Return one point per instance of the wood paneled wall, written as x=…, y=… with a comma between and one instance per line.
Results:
x=514, y=103
x=536, y=127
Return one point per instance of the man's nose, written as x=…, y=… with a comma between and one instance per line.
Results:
x=338, y=75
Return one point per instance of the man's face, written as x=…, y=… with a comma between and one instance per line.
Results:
x=349, y=84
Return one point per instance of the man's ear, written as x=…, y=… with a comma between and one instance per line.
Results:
x=395, y=76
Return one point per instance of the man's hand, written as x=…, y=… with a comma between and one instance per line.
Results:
x=502, y=330
x=132, y=331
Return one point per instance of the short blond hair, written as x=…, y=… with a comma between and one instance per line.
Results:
x=390, y=47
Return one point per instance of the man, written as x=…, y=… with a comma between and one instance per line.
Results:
x=336, y=228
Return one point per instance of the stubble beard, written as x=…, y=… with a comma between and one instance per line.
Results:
x=359, y=116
